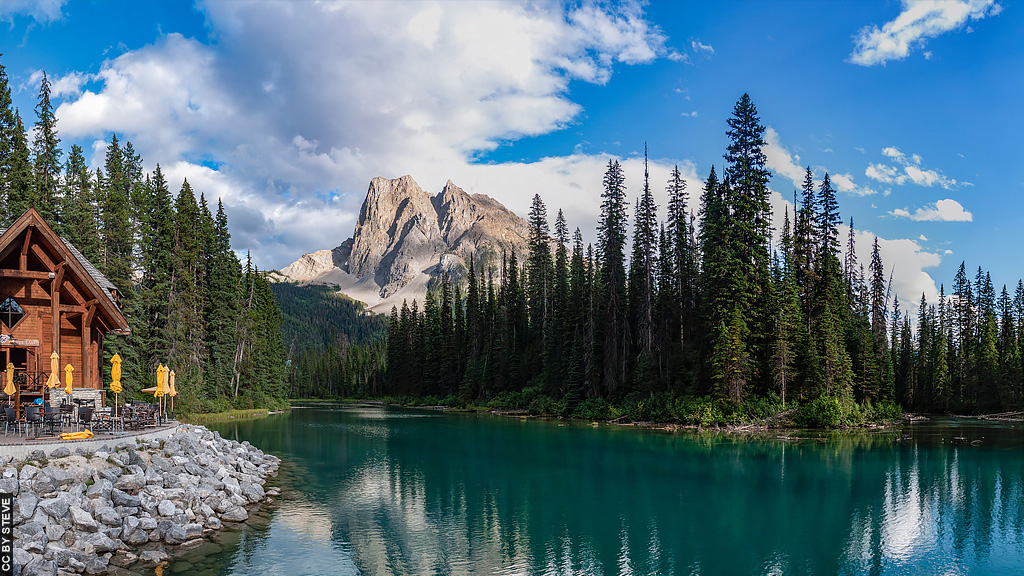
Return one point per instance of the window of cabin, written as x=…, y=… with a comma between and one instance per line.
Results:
x=11, y=312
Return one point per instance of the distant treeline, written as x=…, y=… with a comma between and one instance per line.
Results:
x=334, y=345
x=713, y=311
x=190, y=304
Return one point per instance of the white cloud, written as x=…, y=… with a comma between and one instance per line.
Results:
x=947, y=210
x=43, y=11
x=689, y=114
x=787, y=164
x=885, y=174
x=923, y=238
x=893, y=152
x=909, y=169
x=780, y=160
x=296, y=136
x=844, y=183
x=699, y=47
x=919, y=20
x=906, y=261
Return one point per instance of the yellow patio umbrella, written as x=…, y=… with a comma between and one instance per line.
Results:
x=161, y=381
x=171, y=390
x=54, y=378
x=68, y=378
x=115, y=374
x=161, y=384
x=10, y=389
x=115, y=377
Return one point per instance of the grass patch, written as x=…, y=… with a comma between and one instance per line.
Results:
x=221, y=416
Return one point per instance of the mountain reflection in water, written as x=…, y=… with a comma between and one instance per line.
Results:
x=381, y=491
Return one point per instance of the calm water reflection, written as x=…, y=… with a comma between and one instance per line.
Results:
x=372, y=490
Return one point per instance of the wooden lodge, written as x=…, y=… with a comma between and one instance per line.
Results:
x=52, y=299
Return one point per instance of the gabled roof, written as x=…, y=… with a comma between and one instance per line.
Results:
x=95, y=282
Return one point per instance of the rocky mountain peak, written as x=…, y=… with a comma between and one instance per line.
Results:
x=404, y=236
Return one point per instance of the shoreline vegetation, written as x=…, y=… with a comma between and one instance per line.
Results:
x=665, y=412
x=719, y=316
x=207, y=417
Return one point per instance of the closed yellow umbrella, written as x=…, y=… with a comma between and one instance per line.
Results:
x=9, y=389
x=161, y=380
x=171, y=391
x=54, y=380
x=68, y=378
x=161, y=386
x=115, y=374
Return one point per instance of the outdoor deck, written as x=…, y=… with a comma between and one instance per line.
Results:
x=19, y=446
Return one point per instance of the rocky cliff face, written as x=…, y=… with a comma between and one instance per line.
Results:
x=403, y=236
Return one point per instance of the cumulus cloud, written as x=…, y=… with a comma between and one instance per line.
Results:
x=787, y=164
x=947, y=210
x=919, y=20
x=908, y=169
x=42, y=11
x=780, y=160
x=905, y=261
x=299, y=105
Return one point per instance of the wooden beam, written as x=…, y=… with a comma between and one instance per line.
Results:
x=74, y=310
x=70, y=289
x=30, y=274
x=23, y=261
x=39, y=253
x=87, y=345
x=55, y=307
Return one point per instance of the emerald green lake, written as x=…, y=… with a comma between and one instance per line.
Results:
x=376, y=490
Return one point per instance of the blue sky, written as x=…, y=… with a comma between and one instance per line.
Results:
x=286, y=110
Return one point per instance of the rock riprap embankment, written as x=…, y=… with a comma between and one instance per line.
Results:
x=133, y=504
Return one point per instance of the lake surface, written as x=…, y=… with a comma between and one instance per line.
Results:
x=375, y=490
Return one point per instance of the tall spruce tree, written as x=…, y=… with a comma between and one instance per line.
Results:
x=642, y=288
x=47, y=160
x=611, y=232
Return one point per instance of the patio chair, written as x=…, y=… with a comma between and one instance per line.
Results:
x=85, y=416
x=10, y=419
x=33, y=417
x=52, y=418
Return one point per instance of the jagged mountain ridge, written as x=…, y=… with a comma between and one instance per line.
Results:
x=404, y=237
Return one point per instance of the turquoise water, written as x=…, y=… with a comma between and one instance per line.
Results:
x=375, y=490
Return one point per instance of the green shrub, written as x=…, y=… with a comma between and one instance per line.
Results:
x=593, y=409
x=760, y=408
x=822, y=412
x=703, y=411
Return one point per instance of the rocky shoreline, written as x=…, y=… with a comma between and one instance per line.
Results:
x=134, y=504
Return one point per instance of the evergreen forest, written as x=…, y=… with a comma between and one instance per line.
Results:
x=190, y=304
x=706, y=321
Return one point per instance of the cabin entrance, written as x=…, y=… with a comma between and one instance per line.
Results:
x=16, y=356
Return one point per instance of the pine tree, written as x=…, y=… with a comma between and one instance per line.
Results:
x=224, y=283
x=20, y=177
x=187, y=346
x=158, y=243
x=8, y=126
x=538, y=275
x=80, y=205
x=611, y=233
x=748, y=195
x=116, y=216
x=47, y=160
x=641, y=288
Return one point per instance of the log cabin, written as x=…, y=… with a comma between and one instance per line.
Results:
x=52, y=299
